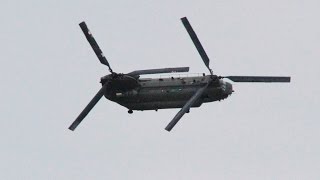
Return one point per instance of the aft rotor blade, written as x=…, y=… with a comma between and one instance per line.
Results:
x=196, y=42
x=267, y=79
x=88, y=108
x=158, y=71
x=94, y=45
x=186, y=107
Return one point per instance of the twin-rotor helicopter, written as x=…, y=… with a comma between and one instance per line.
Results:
x=135, y=93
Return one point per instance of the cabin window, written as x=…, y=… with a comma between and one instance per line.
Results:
x=119, y=94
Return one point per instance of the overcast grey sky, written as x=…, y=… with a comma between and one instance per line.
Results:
x=49, y=73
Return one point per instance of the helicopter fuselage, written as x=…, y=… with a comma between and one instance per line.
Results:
x=164, y=93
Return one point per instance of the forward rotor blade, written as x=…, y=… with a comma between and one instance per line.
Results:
x=196, y=42
x=88, y=108
x=186, y=107
x=268, y=79
x=158, y=71
x=94, y=45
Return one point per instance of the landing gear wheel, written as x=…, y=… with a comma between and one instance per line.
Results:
x=130, y=111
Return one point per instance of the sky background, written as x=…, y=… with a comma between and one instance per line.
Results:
x=49, y=73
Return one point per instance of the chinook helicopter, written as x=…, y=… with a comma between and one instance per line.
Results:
x=135, y=93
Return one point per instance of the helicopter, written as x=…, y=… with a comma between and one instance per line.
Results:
x=136, y=93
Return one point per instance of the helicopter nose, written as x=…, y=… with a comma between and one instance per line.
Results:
x=228, y=89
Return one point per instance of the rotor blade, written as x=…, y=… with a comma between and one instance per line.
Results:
x=196, y=42
x=259, y=78
x=94, y=45
x=88, y=108
x=186, y=107
x=157, y=71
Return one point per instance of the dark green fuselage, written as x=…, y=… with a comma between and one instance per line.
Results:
x=164, y=93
